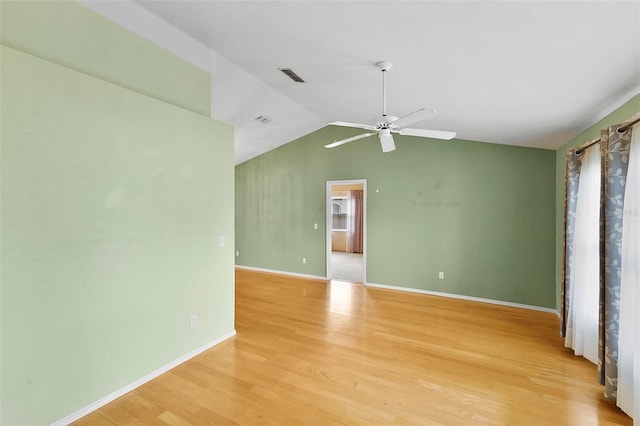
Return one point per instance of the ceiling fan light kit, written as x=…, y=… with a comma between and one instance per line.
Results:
x=387, y=124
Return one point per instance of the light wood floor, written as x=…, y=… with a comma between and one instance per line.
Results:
x=310, y=352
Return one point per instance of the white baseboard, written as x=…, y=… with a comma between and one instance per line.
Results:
x=273, y=271
x=131, y=386
x=459, y=296
x=412, y=290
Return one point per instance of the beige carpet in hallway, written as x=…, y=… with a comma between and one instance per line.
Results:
x=347, y=266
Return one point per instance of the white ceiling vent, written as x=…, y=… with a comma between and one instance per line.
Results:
x=292, y=75
x=263, y=119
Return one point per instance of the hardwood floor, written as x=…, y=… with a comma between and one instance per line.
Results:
x=310, y=352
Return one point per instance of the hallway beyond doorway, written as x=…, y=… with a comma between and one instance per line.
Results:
x=347, y=266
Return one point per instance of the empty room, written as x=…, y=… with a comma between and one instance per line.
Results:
x=319, y=212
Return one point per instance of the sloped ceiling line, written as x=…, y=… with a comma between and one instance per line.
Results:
x=516, y=73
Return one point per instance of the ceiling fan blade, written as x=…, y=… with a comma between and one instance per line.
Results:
x=386, y=141
x=414, y=117
x=435, y=134
x=351, y=139
x=356, y=125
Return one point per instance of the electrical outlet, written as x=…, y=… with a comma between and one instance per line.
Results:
x=221, y=240
x=193, y=321
x=315, y=226
x=304, y=260
x=237, y=253
x=441, y=275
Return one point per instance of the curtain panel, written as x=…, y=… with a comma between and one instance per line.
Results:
x=615, y=142
x=571, y=181
x=629, y=336
x=582, y=326
x=358, y=206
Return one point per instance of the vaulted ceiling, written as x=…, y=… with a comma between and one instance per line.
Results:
x=521, y=73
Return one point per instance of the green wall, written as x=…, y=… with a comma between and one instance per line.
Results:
x=482, y=213
x=112, y=205
x=69, y=34
x=619, y=115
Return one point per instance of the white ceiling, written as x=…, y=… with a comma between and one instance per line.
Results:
x=520, y=73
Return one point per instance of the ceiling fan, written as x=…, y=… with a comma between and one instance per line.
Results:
x=387, y=124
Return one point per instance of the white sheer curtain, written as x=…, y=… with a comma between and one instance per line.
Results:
x=629, y=337
x=582, y=320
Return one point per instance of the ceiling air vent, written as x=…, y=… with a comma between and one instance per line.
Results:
x=263, y=119
x=292, y=75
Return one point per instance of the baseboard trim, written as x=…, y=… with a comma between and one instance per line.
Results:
x=459, y=296
x=273, y=271
x=411, y=290
x=131, y=386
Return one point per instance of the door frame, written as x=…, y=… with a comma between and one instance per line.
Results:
x=330, y=184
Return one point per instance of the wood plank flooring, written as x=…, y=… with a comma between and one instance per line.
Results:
x=333, y=353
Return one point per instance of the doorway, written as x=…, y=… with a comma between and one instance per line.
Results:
x=346, y=230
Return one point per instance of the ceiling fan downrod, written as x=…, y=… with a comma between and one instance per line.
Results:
x=384, y=67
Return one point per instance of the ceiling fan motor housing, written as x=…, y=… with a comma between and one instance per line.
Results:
x=385, y=122
x=384, y=65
